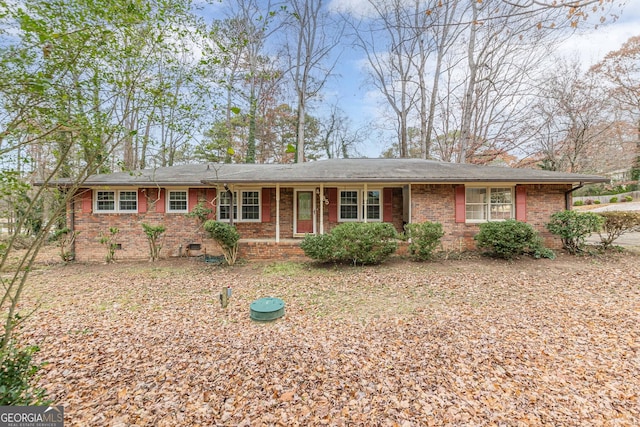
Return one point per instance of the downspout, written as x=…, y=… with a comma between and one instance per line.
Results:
x=72, y=224
x=567, y=196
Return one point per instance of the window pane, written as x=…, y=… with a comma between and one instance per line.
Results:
x=373, y=204
x=349, y=205
x=476, y=212
x=105, y=200
x=476, y=195
x=250, y=205
x=225, y=198
x=128, y=200
x=501, y=204
x=177, y=200
x=500, y=195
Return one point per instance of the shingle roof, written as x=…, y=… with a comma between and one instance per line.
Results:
x=335, y=171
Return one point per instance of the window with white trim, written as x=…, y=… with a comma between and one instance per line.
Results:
x=352, y=205
x=373, y=205
x=489, y=203
x=128, y=201
x=177, y=201
x=113, y=201
x=248, y=202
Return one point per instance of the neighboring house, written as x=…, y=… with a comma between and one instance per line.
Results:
x=274, y=205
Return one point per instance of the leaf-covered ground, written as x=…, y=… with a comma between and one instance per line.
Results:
x=454, y=342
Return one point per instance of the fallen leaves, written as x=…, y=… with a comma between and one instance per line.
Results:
x=473, y=342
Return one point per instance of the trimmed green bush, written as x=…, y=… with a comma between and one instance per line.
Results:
x=573, y=228
x=425, y=238
x=628, y=199
x=227, y=237
x=613, y=200
x=596, y=202
x=615, y=224
x=353, y=242
x=578, y=203
x=509, y=239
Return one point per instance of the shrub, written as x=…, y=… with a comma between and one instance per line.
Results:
x=613, y=200
x=511, y=238
x=109, y=240
x=18, y=375
x=596, y=202
x=354, y=242
x=628, y=199
x=425, y=238
x=615, y=224
x=573, y=228
x=226, y=236
x=578, y=203
x=154, y=232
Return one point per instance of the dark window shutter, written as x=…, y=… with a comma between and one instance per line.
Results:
x=87, y=201
x=332, y=195
x=387, y=202
x=193, y=198
x=461, y=210
x=266, y=205
x=521, y=203
x=142, y=200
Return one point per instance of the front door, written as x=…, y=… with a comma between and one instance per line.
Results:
x=304, y=212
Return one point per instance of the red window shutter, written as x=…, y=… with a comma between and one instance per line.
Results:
x=211, y=202
x=266, y=205
x=87, y=201
x=521, y=203
x=142, y=200
x=160, y=204
x=332, y=195
x=461, y=210
x=192, y=198
x=387, y=208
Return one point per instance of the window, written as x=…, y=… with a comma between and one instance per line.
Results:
x=116, y=201
x=489, y=204
x=373, y=205
x=177, y=201
x=105, y=201
x=129, y=201
x=250, y=205
x=351, y=202
x=248, y=200
x=349, y=205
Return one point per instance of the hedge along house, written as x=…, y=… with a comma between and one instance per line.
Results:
x=274, y=205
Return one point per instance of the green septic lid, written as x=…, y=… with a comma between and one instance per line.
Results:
x=265, y=309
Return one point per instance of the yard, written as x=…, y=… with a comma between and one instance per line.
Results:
x=451, y=342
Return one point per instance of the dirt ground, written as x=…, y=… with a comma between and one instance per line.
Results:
x=471, y=341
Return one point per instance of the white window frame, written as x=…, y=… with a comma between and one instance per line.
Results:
x=168, y=201
x=366, y=205
x=487, y=204
x=238, y=197
x=116, y=201
x=358, y=205
x=362, y=206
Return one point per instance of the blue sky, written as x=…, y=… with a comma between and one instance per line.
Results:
x=348, y=87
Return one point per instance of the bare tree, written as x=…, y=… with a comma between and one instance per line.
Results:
x=314, y=39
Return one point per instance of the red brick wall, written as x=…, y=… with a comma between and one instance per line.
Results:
x=428, y=202
x=437, y=202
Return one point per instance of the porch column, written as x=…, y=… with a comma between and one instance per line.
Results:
x=321, y=208
x=277, y=213
x=366, y=200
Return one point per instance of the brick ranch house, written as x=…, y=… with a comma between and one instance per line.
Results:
x=275, y=205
